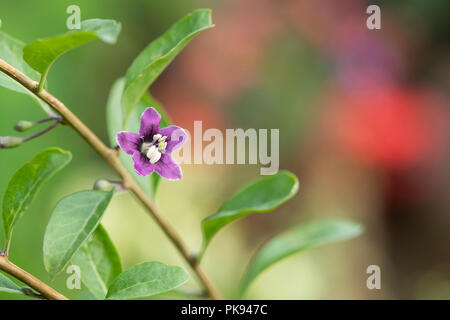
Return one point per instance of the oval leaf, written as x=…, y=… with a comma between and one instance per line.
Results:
x=74, y=219
x=262, y=195
x=41, y=53
x=11, y=51
x=146, y=279
x=26, y=182
x=7, y=285
x=99, y=262
x=114, y=117
x=298, y=239
x=158, y=54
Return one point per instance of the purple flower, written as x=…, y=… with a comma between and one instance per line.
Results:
x=151, y=148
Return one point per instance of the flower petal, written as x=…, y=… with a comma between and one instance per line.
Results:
x=167, y=168
x=150, y=119
x=128, y=141
x=141, y=164
x=176, y=136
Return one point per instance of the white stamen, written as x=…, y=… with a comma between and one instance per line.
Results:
x=153, y=155
x=156, y=137
x=145, y=146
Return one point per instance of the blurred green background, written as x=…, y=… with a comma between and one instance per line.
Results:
x=363, y=119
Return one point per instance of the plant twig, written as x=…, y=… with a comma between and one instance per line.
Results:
x=13, y=142
x=40, y=133
x=110, y=156
x=44, y=290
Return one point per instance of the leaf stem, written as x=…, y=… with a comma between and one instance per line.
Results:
x=111, y=157
x=5, y=250
x=42, y=81
x=45, y=291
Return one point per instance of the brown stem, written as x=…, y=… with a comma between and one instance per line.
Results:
x=110, y=156
x=46, y=291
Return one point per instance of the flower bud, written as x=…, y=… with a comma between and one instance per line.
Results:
x=103, y=185
x=10, y=142
x=23, y=125
x=108, y=185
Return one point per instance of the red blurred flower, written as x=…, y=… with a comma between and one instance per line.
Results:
x=387, y=127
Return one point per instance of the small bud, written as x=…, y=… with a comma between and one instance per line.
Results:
x=108, y=185
x=23, y=125
x=103, y=185
x=194, y=256
x=27, y=291
x=10, y=142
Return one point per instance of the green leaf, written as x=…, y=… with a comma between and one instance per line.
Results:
x=99, y=262
x=41, y=53
x=11, y=51
x=25, y=183
x=158, y=54
x=115, y=124
x=146, y=279
x=114, y=117
x=7, y=285
x=299, y=239
x=73, y=220
x=263, y=195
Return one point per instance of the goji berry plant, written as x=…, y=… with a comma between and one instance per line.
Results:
x=139, y=151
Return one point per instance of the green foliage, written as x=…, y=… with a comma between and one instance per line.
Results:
x=114, y=117
x=74, y=232
x=158, y=54
x=11, y=51
x=128, y=97
x=99, y=262
x=73, y=220
x=146, y=279
x=41, y=53
x=7, y=285
x=265, y=194
x=299, y=239
x=26, y=182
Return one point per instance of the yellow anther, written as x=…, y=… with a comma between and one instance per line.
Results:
x=162, y=146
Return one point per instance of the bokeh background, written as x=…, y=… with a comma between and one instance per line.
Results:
x=363, y=118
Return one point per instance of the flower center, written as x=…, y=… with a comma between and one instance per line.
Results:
x=153, y=150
